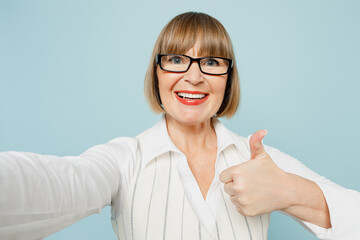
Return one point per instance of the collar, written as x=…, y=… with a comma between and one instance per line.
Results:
x=157, y=141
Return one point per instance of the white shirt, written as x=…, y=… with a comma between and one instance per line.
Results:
x=44, y=194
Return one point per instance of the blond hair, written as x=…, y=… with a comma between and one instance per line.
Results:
x=180, y=35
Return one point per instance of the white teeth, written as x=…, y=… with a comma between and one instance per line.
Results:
x=192, y=96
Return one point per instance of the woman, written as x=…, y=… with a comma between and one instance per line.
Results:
x=187, y=177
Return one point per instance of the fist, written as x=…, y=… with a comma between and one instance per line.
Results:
x=257, y=186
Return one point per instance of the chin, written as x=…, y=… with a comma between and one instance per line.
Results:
x=191, y=118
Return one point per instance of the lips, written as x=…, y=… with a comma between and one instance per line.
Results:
x=191, y=97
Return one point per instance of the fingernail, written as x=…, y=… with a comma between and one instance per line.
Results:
x=266, y=132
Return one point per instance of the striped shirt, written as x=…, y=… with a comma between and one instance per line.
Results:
x=157, y=205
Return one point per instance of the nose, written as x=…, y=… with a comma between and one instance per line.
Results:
x=194, y=75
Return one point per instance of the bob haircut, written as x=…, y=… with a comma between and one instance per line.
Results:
x=180, y=35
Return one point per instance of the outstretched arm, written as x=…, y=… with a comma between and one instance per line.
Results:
x=42, y=194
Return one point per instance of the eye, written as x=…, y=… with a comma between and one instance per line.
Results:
x=175, y=60
x=211, y=62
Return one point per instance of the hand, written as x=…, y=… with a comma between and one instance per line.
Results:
x=257, y=186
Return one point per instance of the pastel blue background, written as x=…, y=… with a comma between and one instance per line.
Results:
x=71, y=76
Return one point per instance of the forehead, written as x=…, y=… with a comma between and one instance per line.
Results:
x=195, y=51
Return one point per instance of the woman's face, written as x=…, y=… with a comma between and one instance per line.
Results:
x=173, y=85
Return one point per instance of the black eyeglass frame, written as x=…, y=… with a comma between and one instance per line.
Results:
x=158, y=61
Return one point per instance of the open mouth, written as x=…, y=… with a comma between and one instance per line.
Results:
x=191, y=96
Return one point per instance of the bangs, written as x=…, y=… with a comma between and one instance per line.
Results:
x=183, y=32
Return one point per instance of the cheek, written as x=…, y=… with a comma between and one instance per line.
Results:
x=219, y=87
x=165, y=84
x=161, y=81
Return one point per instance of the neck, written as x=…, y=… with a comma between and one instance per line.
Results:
x=191, y=138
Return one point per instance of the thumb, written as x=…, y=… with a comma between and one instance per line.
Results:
x=256, y=146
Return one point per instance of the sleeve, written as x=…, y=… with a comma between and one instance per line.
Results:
x=344, y=204
x=42, y=194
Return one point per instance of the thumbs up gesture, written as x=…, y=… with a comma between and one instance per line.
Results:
x=257, y=186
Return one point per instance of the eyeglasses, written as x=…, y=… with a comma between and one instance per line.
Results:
x=181, y=63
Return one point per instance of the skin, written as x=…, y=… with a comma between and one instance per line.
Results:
x=255, y=187
x=190, y=127
x=259, y=186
